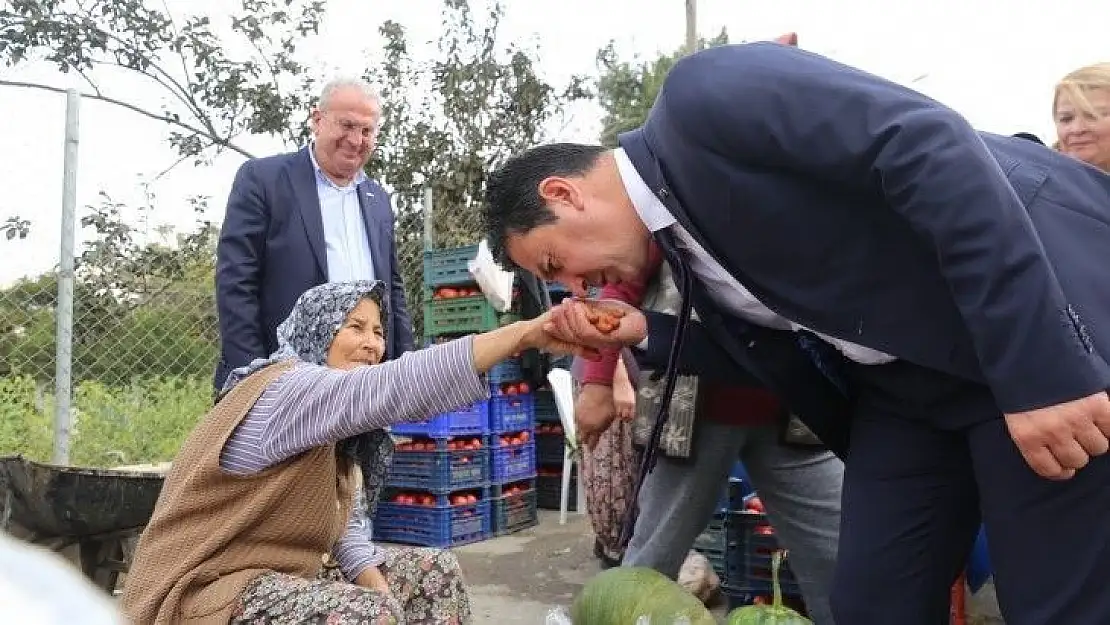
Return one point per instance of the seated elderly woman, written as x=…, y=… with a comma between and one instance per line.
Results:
x=260, y=518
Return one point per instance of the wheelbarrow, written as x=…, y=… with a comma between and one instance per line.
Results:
x=101, y=511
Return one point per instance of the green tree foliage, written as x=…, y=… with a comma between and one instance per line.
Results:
x=627, y=89
x=449, y=119
x=145, y=332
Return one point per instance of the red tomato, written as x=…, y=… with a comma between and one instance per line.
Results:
x=755, y=504
x=523, y=388
x=764, y=530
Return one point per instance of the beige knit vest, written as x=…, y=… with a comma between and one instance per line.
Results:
x=212, y=533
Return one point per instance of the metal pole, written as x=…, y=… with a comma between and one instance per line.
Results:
x=691, y=26
x=63, y=379
x=429, y=224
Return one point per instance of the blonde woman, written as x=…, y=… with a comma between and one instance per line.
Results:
x=1081, y=110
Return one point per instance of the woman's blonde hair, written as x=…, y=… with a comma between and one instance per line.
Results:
x=1077, y=83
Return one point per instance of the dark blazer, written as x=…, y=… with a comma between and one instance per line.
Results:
x=864, y=210
x=271, y=250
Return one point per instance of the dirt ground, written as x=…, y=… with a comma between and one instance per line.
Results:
x=517, y=579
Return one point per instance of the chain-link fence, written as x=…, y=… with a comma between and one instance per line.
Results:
x=144, y=333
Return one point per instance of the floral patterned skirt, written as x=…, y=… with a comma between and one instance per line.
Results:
x=609, y=471
x=426, y=588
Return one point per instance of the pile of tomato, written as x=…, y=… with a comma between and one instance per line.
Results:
x=455, y=443
x=454, y=292
x=754, y=505
x=429, y=501
x=549, y=428
x=517, y=488
x=514, y=388
x=513, y=439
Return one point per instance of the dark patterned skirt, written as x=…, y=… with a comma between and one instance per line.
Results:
x=426, y=588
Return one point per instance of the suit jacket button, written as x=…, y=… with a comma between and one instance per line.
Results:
x=663, y=193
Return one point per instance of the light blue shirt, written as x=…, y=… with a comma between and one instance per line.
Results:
x=348, y=247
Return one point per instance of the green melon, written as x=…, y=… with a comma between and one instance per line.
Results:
x=622, y=595
x=774, y=614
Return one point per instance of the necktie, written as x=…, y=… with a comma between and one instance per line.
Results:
x=684, y=281
x=823, y=356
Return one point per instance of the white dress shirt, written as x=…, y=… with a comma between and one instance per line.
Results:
x=720, y=285
x=345, y=239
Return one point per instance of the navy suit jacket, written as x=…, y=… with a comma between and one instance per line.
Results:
x=271, y=250
x=866, y=211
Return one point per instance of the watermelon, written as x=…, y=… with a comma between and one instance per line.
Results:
x=625, y=595
x=774, y=614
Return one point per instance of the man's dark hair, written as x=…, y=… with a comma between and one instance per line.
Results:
x=513, y=202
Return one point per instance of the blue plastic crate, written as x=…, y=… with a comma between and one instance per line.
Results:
x=440, y=471
x=733, y=494
x=545, y=409
x=472, y=420
x=513, y=512
x=712, y=539
x=549, y=488
x=550, y=448
x=448, y=266
x=517, y=462
x=506, y=371
x=511, y=413
x=441, y=525
x=748, y=557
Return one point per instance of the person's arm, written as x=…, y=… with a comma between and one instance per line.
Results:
x=240, y=253
x=355, y=552
x=630, y=292
x=779, y=107
x=310, y=405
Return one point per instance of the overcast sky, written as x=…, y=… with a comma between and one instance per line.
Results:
x=995, y=61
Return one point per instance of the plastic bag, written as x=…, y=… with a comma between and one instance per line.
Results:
x=558, y=616
x=496, y=283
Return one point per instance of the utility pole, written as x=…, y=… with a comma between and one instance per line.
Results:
x=691, y=26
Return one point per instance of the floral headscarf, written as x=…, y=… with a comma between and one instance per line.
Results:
x=305, y=335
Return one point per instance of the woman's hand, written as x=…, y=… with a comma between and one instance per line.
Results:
x=624, y=394
x=537, y=336
x=598, y=324
x=374, y=579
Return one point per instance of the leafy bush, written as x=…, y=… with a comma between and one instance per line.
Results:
x=112, y=425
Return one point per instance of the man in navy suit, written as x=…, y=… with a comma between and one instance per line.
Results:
x=298, y=220
x=949, y=287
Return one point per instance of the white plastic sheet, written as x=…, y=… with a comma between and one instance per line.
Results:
x=496, y=283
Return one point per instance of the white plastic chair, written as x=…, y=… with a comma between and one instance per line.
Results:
x=562, y=387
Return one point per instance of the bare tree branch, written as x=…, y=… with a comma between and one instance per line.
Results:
x=215, y=139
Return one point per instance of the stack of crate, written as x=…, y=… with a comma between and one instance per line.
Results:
x=550, y=446
x=455, y=478
x=749, y=542
x=713, y=541
x=438, y=487
x=550, y=439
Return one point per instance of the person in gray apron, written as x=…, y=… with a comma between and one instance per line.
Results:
x=710, y=427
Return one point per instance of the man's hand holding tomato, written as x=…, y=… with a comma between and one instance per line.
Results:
x=597, y=324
